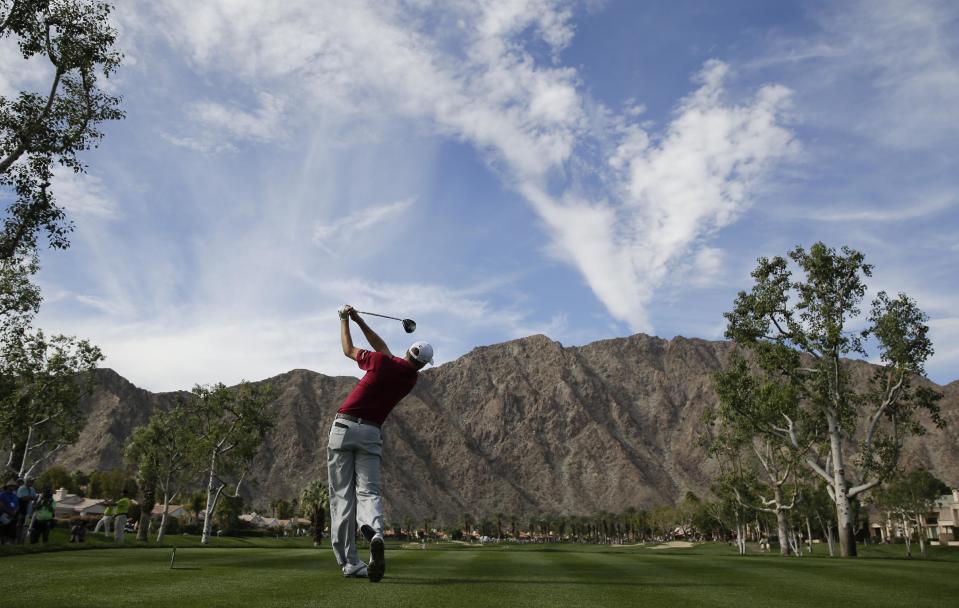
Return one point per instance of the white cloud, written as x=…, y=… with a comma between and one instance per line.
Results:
x=332, y=237
x=907, y=53
x=676, y=191
x=176, y=349
x=83, y=194
x=262, y=125
x=18, y=74
x=218, y=127
x=480, y=81
x=707, y=267
x=836, y=213
x=944, y=332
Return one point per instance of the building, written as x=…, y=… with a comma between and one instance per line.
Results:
x=179, y=512
x=72, y=505
x=943, y=525
x=272, y=523
x=940, y=525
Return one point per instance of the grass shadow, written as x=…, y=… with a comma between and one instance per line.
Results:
x=445, y=582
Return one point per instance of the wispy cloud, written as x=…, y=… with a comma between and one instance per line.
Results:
x=944, y=332
x=478, y=72
x=907, y=212
x=218, y=127
x=332, y=237
x=905, y=51
x=84, y=194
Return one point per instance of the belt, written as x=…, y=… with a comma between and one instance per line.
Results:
x=357, y=420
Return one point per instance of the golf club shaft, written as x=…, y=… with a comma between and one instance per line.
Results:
x=378, y=315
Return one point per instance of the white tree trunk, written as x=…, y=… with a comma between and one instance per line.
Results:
x=827, y=532
x=921, y=533
x=161, y=534
x=840, y=486
x=782, y=525
x=809, y=535
x=907, y=536
x=211, y=497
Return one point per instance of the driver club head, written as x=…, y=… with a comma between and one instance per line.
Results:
x=409, y=325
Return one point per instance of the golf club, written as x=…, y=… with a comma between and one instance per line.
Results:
x=408, y=324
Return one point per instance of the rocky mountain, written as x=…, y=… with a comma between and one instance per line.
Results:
x=527, y=426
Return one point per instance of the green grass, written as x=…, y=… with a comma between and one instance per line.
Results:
x=270, y=572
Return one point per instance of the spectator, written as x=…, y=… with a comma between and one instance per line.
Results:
x=120, y=516
x=107, y=520
x=78, y=532
x=44, y=521
x=27, y=496
x=9, y=507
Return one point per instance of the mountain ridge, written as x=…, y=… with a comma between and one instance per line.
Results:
x=525, y=426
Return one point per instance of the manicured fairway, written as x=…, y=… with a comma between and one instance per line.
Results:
x=496, y=576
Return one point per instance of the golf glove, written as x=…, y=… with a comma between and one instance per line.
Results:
x=343, y=311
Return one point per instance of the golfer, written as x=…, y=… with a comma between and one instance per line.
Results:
x=356, y=443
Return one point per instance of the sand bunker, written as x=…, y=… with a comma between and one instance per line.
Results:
x=675, y=544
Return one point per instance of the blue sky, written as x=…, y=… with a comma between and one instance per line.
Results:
x=585, y=170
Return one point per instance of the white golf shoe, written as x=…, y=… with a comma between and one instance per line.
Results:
x=355, y=570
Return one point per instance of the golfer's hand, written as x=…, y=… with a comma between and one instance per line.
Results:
x=346, y=311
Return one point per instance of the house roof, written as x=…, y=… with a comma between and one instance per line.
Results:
x=158, y=509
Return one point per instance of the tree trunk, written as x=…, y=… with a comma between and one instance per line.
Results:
x=143, y=526
x=210, y=503
x=847, y=539
x=921, y=533
x=161, y=534
x=809, y=535
x=907, y=536
x=827, y=532
x=782, y=525
x=317, y=526
x=146, y=515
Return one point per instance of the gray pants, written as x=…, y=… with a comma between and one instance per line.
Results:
x=353, y=464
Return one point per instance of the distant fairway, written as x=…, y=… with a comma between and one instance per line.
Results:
x=491, y=576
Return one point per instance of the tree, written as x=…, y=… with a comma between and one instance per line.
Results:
x=690, y=513
x=231, y=424
x=468, y=522
x=728, y=510
x=228, y=511
x=55, y=477
x=147, y=482
x=111, y=484
x=19, y=297
x=163, y=449
x=314, y=503
x=41, y=130
x=798, y=330
x=79, y=482
x=282, y=508
x=751, y=406
x=197, y=502
x=911, y=497
x=46, y=379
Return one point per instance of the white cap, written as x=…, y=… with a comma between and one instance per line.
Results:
x=425, y=350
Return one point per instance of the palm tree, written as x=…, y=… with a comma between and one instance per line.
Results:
x=314, y=502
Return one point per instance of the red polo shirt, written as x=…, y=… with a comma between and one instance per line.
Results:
x=387, y=380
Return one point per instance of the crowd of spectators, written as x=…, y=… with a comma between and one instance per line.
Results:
x=25, y=513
